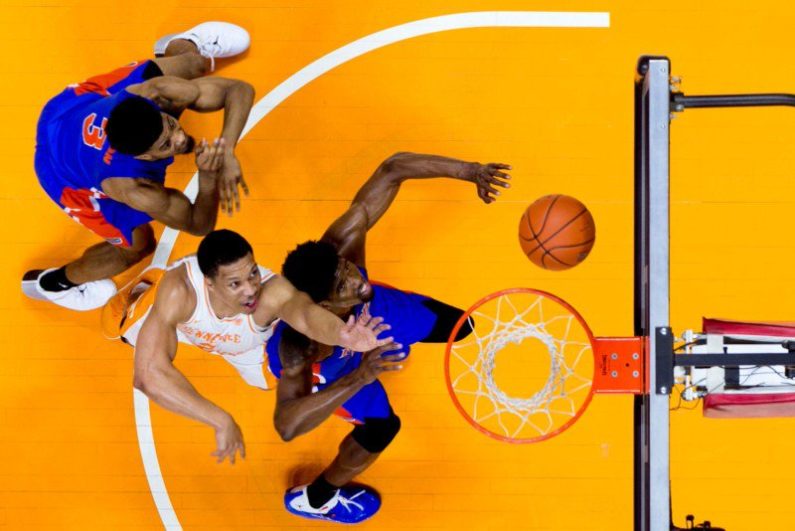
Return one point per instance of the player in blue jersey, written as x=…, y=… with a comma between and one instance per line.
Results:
x=103, y=146
x=317, y=380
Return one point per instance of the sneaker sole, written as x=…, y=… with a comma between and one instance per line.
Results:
x=30, y=281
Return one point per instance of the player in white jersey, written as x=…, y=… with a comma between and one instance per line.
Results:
x=221, y=301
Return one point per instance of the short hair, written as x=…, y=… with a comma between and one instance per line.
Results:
x=311, y=268
x=221, y=247
x=134, y=125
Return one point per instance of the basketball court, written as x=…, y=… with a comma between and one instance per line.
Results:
x=340, y=87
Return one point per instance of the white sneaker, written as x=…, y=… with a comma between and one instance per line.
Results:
x=213, y=39
x=83, y=297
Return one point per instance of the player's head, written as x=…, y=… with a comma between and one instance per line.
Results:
x=329, y=279
x=137, y=127
x=227, y=263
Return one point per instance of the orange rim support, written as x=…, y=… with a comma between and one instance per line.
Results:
x=619, y=365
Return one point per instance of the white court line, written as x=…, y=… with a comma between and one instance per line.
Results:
x=481, y=19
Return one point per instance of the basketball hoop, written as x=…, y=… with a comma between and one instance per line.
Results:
x=531, y=366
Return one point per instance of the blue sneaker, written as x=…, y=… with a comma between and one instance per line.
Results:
x=349, y=505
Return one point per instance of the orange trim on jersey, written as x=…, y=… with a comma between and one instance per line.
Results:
x=83, y=207
x=345, y=415
x=101, y=83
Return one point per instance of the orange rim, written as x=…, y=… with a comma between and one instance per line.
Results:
x=452, y=391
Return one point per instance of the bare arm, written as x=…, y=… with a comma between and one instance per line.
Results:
x=157, y=377
x=282, y=300
x=169, y=206
x=209, y=94
x=349, y=231
x=206, y=94
x=298, y=410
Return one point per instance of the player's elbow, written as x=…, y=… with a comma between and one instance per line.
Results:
x=286, y=431
x=286, y=435
x=200, y=227
x=394, y=165
x=141, y=382
x=199, y=230
x=145, y=382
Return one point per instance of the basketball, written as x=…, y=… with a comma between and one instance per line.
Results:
x=557, y=232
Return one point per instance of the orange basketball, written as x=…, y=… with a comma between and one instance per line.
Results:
x=556, y=232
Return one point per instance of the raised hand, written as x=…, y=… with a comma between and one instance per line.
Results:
x=486, y=177
x=230, y=178
x=210, y=157
x=361, y=334
x=374, y=362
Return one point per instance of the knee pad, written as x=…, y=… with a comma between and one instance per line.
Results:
x=376, y=434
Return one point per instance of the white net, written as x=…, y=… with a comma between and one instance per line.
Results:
x=526, y=371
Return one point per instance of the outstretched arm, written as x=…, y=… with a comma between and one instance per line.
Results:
x=348, y=232
x=281, y=299
x=298, y=410
x=157, y=377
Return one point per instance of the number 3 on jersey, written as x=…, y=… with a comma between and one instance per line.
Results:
x=94, y=135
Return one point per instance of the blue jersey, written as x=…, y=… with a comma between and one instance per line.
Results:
x=411, y=322
x=73, y=155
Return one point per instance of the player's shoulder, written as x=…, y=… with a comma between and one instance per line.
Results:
x=176, y=298
x=295, y=349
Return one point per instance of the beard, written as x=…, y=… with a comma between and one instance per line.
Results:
x=190, y=144
x=368, y=296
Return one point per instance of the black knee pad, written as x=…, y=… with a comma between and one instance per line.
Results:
x=376, y=434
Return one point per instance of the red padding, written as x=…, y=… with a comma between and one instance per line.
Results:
x=747, y=406
x=720, y=326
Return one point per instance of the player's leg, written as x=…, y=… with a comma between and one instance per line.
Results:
x=444, y=318
x=360, y=449
x=331, y=496
x=85, y=284
x=105, y=260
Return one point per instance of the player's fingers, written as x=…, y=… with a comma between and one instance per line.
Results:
x=243, y=184
x=222, y=198
x=381, y=342
x=374, y=322
x=499, y=180
x=230, y=201
x=499, y=165
x=231, y=189
x=490, y=189
x=482, y=195
x=242, y=450
x=381, y=328
x=390, y=347
x=394, y=357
